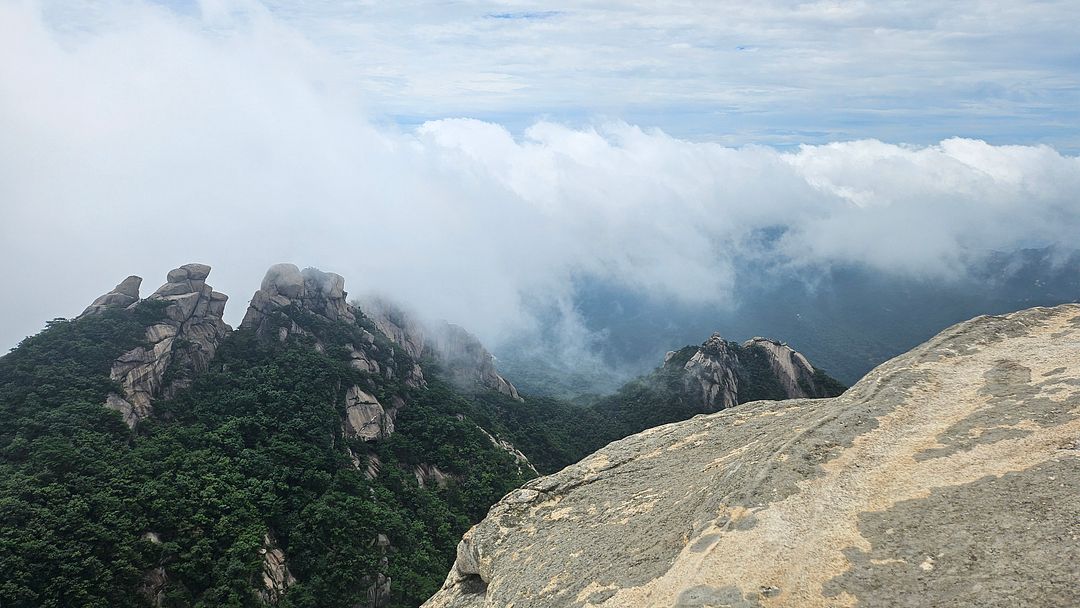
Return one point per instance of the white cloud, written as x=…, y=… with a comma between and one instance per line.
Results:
x=152, y=138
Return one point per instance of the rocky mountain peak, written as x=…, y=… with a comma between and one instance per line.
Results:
x=123, y=295
x=465, y=360
x=184, y=341
x=722, y=374
x=791, y=368
x=712, y=374
x=311, y=290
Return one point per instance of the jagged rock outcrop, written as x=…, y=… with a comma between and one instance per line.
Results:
x=183, y=342
x=946, y=477
x=430, y=476
x=153, y=582
x=792, y=370
x=397, y=325
x=711, y=371
x=123, y=295
x=365, y=417
x=722, y=374
x=276, y=578
x=311, y=290
x=465, y=360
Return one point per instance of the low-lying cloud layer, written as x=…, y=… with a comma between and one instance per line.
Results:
x=148, y=140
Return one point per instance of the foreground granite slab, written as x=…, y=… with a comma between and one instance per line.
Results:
x=949, y=476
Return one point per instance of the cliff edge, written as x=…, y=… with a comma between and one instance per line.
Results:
x=947, y=476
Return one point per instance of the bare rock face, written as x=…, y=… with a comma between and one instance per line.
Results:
x=466, y=361
x=430, y=476
x=519, y=457
x=185, y=341
x=365, y=417
x=123, y=295
x=311, y=290
x=722, y=374
x=712, y=373
x=399, y=326
x=946, y=477
x=276, y=578
x=790, y=367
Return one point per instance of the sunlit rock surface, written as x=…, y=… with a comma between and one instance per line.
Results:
x=946, y=477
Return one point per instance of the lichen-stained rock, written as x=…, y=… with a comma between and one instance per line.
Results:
x=946, y=477
x=185, y=341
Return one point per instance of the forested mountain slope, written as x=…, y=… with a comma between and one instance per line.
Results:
x=315, y=456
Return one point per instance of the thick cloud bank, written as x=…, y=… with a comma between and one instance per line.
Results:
x=147, y=140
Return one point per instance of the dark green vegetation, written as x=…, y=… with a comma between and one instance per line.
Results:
x=254, y=445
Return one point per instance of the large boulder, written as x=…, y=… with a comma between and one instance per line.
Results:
x=946, y=477
x=365, y=417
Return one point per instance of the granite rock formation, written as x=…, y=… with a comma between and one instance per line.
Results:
x=285, y=288
x=719, y=374
x=464, y=359
x=312, y=290
x=365, y=417
x=791, y=368
x=946, y=477
x=276, y=578
x=123, y=295
x=183, y=342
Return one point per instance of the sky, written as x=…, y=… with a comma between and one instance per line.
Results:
x=478, y=160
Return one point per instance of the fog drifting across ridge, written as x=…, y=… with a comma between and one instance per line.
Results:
x=150, y=140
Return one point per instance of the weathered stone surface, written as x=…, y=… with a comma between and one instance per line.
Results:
x=364, y=416
x=790, y=367
x=430, y=476
x=276, y=578
x=946, y=477
x=193, y=319
x=284, y=285
x=465, y=360
x=712, y=374
x=123, y=295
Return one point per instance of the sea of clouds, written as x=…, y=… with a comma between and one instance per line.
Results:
x=148, y=139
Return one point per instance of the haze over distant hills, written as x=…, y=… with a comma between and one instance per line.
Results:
x=848, y=318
